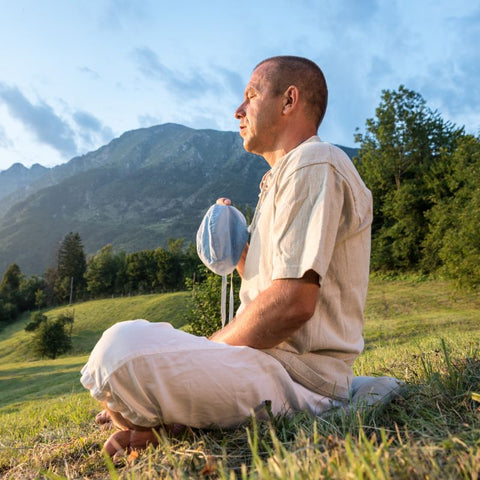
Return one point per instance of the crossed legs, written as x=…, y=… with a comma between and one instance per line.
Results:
x=160, y=377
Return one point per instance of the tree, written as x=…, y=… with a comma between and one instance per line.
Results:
x=401, y=148
x=71, y=265
x=453, y=244
x=36, y=319
x=31, y=290
x=51, y=277
x=141, y=271
x=8, y=312
x=40, y=299
x=10, y=286
x=102, y=271
x=10, y=294
x=51, y=337
x=169, y=271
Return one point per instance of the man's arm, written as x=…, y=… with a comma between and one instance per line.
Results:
x=274, y=315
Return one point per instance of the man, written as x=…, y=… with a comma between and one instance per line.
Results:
x=304, y=282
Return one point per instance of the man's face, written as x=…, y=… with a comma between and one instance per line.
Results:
x=260, y=113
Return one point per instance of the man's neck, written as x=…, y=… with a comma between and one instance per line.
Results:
x=287, y=146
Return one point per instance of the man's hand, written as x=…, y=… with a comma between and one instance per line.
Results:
x=274, y=315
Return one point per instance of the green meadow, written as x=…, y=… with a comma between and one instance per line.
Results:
x=423, y=332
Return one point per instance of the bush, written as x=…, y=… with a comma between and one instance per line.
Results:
x=51, y=339
x=36, y=319
x=204, y=317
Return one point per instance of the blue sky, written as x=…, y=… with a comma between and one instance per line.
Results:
x=75, y=74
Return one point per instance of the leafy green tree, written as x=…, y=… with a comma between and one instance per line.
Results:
x=102, y=271
x=121, y=278
x=399, y=151
x=10, y=294
x=169, y=271
x=72, y=264
x=453, y=241
x=141, y=271
x=190, y=264
x=36, y=319
x=29, y=292
x=51, y=337
x=10, y=286
x=8, y=312
x=175, y=246
x=67, y=318
x=40, y=299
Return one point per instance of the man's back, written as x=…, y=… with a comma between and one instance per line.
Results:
x=315, y=214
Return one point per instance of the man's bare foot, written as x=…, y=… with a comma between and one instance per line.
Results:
x=125, y=441
x=103, y=417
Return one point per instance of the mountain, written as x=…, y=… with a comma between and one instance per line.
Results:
x=17, y=179
x=142, y=188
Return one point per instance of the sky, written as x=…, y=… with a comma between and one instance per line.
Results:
x=76, y=74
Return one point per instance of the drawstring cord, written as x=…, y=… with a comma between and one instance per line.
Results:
x=223, y=300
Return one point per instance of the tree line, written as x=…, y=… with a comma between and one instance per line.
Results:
x=107, y=273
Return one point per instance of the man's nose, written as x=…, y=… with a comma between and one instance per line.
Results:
x=240, y=111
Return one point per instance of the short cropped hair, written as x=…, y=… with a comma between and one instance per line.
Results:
x=306, y=76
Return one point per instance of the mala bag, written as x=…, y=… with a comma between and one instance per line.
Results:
x=221, y=238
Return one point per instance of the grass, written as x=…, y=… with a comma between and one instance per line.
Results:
x=92, y=318
x=422, y=332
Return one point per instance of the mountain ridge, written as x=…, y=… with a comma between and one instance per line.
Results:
x=142, y=188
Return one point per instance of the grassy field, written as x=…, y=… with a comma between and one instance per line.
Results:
x=422, y=332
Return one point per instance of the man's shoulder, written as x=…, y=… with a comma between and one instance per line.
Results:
x=314, y=151
x=315, y=157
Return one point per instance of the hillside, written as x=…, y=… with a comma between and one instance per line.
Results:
x=142, y=188
x=422, y=332
x=92, y=318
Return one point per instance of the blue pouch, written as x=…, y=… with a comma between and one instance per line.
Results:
x=221, y=238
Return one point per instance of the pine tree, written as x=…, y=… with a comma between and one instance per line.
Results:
x=71, y=267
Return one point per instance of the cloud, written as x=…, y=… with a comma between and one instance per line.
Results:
x=454, y=90
x=355, y=13
x=91, y=129
x=118, y=14
x=151, y=67
x=5, y=142
x=148, y=120
x=233, y=80
x=380, y=68
x=41, y=119
x=91, y=73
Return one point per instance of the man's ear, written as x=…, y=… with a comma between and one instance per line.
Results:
x=290, y=99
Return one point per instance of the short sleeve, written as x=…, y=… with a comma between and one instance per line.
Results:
x=308, y=213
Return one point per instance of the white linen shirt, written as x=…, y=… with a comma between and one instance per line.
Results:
x=315, y=213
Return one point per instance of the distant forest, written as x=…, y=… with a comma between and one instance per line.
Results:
x=107, y=273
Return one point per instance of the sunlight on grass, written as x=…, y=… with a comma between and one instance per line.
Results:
x=422, y=332
x=92, y=318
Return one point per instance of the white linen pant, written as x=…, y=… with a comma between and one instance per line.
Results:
x=153, y=374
